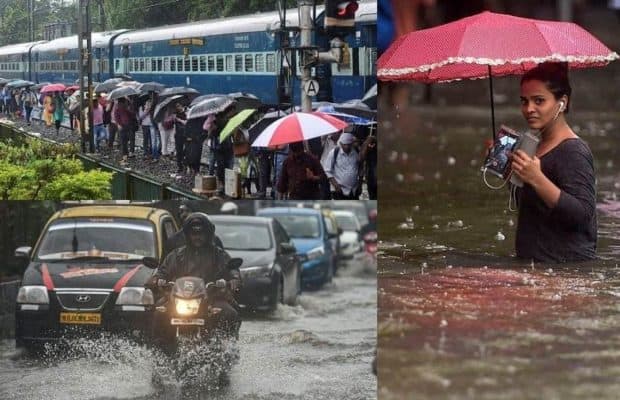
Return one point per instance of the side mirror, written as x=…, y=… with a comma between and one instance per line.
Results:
x=23, y=252
x=234, y=263
x=287, y=248
x=150, y=262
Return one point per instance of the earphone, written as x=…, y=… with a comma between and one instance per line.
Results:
x=562, y=105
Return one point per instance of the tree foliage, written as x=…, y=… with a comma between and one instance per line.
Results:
x=37, y=171
x=14, y=18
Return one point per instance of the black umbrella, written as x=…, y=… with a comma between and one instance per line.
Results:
x=4, y=81
x=39, y=86
x=246, y=100
x=210, y=106
x=124, y=91
x=19, y=84
x=151, y=87
x=263, y=123
x=108, y=85
x=205, y=97
x=158, y=113
x=356, y=107
x=179, y=90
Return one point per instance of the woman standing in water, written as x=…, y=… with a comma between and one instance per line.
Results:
x=557, y=205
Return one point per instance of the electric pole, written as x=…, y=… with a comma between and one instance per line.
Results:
x=85, y=66
x=305, y=44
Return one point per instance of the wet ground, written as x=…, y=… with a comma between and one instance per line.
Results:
x=458, y=317
x=321, y=348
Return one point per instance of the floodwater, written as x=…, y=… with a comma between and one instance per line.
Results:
x=458, y=317
x=322, y=348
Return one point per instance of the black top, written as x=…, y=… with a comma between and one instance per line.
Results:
x=566, y=232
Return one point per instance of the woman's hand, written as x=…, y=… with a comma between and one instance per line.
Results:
x=525, y=167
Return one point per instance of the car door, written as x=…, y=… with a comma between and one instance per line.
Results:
x=287, y=260
x=168, y=229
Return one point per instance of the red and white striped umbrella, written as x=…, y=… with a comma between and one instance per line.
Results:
x=297, y=127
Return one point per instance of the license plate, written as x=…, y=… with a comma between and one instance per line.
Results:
x=80, y=318
x=187, y=321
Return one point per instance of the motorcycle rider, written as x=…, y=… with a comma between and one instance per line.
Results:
x=202, y=258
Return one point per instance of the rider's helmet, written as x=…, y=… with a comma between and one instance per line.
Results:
x=229, y=208
x=198, y=223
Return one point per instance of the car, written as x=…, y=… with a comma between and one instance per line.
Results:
x=271, y=271
x=350, y=240
x=307, y=229
x=333, y=232
x=359, y=208
x=86, y=275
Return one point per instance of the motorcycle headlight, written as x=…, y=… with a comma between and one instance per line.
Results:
x=187, y=307
x=315, y=253
x=256, y=271
x=135, y=296
x=33, y=295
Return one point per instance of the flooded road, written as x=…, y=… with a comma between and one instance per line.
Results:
x=459, y=318
x=321, y=348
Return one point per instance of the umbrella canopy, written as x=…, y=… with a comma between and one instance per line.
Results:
x=234, y=123
x=158, y=113
x=4, y=81
x=209, y=106
x=205, y=97
x=351, y=107
x=38, y=86
x=72, y=88
x=54, y=87
x=124, y=91
x=179, y=90
x=348, y=118
x=465, y=49
x=20, y=83
x=370, y=98
x=151, y=87
x=246, y=100
x=263, y=123
x=108, y=85
x=297, y=127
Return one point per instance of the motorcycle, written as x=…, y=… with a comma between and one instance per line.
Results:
x=186, y=326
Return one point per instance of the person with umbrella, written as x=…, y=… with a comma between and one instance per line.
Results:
x=342, y=169
x=301, y=174
x=144, y=116
x=557, y=205
x=59, y=110
x=180, y=120
x=28, y=100
x=125, y=119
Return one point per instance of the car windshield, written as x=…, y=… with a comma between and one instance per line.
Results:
x=243, y=236
x=109, y=238
x=347, y=222
x=300, y=226
x=358, y=209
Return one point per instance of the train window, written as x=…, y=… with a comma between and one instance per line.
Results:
x=117, y=65
x=166, y=64
x=259, y=62
x=229, y=63
x=141, y=65
x=180, y=64
x=153, y=65
x=271, y=62
x=249, y=63
x=238, y=63
x=173, y=64
x=105, y=66
x=188, y=64
x=160, y=65
x=220, y=63
x=203, y=64
x=210, y=63
x=195, y=63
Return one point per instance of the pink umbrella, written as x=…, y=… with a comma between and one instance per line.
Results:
x=54, y=87
x=297, y=127
x=486, y=45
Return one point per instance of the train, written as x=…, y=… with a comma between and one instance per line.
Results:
x=238, y=54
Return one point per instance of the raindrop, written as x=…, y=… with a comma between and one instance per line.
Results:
x=393, y=156
x=435, y=226
x=400, y=177
x=617, y=185
x=416, y=208
x=500, y=236
x=449, y=266
x=404, y=156
x=511, y=222
x=473, y=162
x=556, y=297
x=451, y=161
x=437, y=175
x=610, y=164
x=443, y=323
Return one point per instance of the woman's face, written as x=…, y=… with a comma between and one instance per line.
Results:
x=538, y=105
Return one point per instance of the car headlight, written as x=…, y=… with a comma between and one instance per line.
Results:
x=135, y=296
x=256, y=271
x=315, y=253
x=187, y=307
x=33, y=295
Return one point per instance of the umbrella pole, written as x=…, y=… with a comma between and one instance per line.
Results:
x=492, y=103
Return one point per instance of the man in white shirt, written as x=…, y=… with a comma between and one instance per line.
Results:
x=341, y=167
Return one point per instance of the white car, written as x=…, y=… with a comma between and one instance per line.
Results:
x=350, y=241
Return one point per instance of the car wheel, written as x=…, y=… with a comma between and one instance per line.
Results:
x=279, y=295
x=330, y=273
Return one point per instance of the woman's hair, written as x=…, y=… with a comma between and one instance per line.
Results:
x=555, y=77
